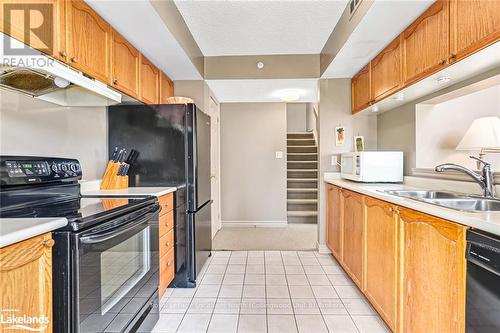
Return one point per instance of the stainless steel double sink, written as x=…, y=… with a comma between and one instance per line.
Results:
x=457, y=201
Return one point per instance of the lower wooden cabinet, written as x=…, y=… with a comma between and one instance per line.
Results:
x=334, y=220
x=26, y=282
x=433, y=271
x=352, y=235
x=166, y=243
x=381, y=258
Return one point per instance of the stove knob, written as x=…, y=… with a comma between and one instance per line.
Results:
x=74, y=167
x=64, y=167
x=54, y=168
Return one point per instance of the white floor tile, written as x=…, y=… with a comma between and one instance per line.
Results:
x=216, y=269
x=231, y=291
x=202, y=305
x=306, y=261
x=254, y=291
x=292, y=261
x=348, y=292
x=295, y=269
x=313, y=270
x=233, y=279
x=255, y=254
x=238, y=260
x=327, y=261
x=276, y=280
x=333, y=270
x=279, y=306
x=305, y=306
x=252, y=324
x=183, y=292
x=281, y=324
x=255, y=269
x=331, y=306
x=306, y=254
x=223, y=323
x=176, y=305
x=275, y=269
x=358, y=306
x=194, y=323
x=340, y=324
x=235, y=269
x=212, y=279
x=318, y=280
x=324, y=292
x=370, y=324
x=167, y=323
x=253, y=306
x=221, y=254
x=311, y=324
x=255, y=261
x=228, y=305
x=277, y=292
x=220, y=261
x=297, y=280
x=340, y=280
x=207, y=290
x=259, y=279
x=301, y=292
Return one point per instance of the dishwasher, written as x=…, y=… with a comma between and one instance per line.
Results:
x=483, y=283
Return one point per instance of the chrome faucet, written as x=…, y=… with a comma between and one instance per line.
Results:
x=485, y=180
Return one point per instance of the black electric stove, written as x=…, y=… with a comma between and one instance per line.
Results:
x=105, y=260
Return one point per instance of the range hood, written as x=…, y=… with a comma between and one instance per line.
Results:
x=37, y=75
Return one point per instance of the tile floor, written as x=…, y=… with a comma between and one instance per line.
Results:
x=269, y=291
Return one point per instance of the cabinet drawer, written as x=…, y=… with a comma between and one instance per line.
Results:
x=167, y=270
x=166, y=202
x=166, y=223
x=166, y=242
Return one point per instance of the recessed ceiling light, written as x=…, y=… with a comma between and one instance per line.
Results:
x=444, y=78
x=289, y=95
x=374, y=109
x=260, y=65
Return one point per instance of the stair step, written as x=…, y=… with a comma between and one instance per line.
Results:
x=302, y=213
x=313, y=206
x=302, y=173
x=304, y=135
x=295, y=165
x=302, y=190
x=299, y=157
x=303, y=219
x=302, y=149
x=300, y=142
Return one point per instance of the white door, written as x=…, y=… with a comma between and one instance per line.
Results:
x=215, y=170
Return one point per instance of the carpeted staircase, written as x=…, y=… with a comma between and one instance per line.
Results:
x=302, y=178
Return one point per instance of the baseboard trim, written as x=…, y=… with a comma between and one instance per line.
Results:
x=255, y=224
x=323, y=249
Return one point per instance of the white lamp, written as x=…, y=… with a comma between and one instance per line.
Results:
x=483, y=135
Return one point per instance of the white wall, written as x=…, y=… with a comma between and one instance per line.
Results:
x=32, y=127
x=253, y=181
x=440, y=127
x=335, y=110
x=296, y=117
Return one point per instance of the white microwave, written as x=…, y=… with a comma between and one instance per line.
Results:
x=372, y=166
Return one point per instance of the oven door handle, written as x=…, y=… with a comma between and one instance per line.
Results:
x=100, y=237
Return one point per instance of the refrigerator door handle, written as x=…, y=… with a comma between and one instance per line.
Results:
x=201, y=207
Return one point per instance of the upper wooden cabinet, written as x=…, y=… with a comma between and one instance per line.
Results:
x=433, y=274
x=334, y=220
x=125, y=65
x=352, y=235
x=88, y=39
x=474, y=24
x=425, y=43
x=386, y=76
x=26, y=280
x=361, y=90
x=166, y=88
x=46, y=24
x=150, y=82
x=381, y=258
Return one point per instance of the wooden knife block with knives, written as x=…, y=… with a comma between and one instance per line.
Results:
x=116, y=174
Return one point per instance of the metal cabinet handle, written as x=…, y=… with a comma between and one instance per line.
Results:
x=168, y=264
x=453, y=55
x=115, y=81
x=442, y=61
x=62, y=54
x=168, y=244
x=73, y=59
x=49, y=243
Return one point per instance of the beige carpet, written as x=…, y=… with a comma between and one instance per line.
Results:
x=294, y=237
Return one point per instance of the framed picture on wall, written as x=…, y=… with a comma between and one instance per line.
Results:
x=339, y=136
x=359, y=143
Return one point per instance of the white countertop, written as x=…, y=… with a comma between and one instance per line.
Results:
x=13, y=230
x=131, y=191
x=489, y=222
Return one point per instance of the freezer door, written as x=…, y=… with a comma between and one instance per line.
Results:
x=202, y=235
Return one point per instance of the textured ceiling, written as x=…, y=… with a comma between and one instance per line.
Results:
x=261, y=27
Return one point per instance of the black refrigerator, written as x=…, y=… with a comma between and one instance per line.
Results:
x=173, y=142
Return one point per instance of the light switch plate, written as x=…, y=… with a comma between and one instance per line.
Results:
x=335, y=160
x=279, y=154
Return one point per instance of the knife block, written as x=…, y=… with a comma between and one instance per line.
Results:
x=117, y=183
x=110, y=179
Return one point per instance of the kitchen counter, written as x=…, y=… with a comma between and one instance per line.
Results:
x=489, y=222
x=13, y=230
x=131, y=191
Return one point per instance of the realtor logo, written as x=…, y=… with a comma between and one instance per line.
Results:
x=33, y=22
x=10, y=319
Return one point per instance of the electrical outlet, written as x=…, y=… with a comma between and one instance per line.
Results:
x=279, y=154
x=335, y=160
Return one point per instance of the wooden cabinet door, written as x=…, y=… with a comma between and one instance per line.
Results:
x=381, y=259
x=352, y=239
x=125, y=64
x=166, y=88
x=334, y=220
x=360, y=89
x=425, y=43
x=44, y=19
x=474, y=24
x=150, y=77
x=433, y=274
x=88, y=39
x=386, y=71
x=26, y=280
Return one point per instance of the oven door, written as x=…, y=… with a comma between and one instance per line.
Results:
x=116, y=273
